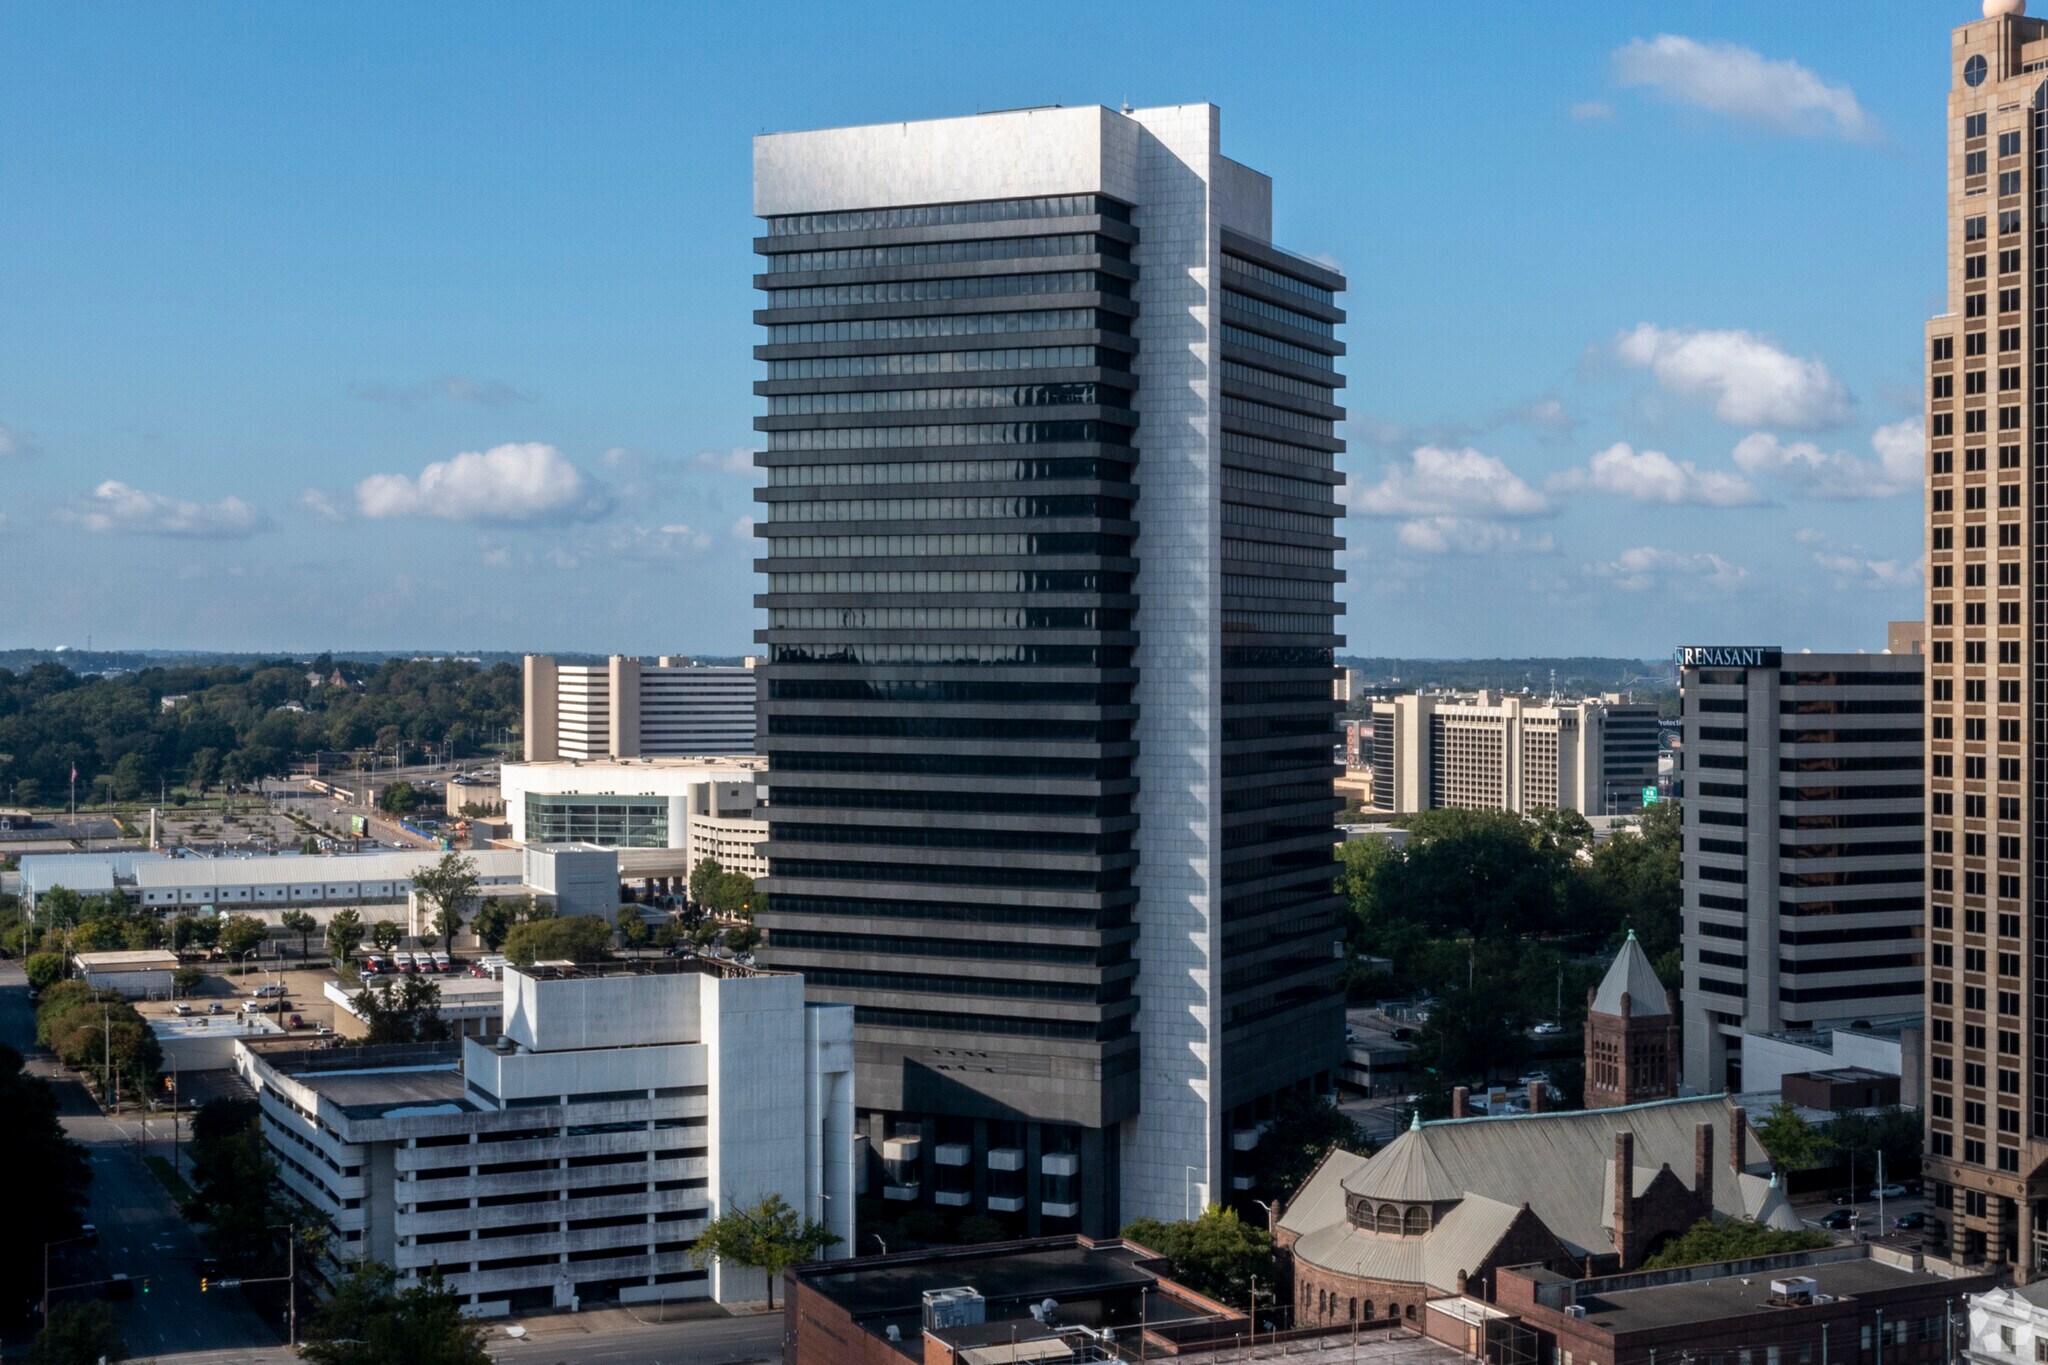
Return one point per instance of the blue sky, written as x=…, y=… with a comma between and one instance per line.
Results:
x=399, y=326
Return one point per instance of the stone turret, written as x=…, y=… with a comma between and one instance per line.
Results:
x=1631, y=1034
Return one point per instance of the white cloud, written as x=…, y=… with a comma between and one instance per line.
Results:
x=16, y=445
x=456, y=388
x=508, y=483
x=320, y=505
x=1654, y=477
x=1588, y=111
x=1848, y=566
x=738, y=461
x=1469, y=536
x=1749, y=381
x=1645, y=567
x=116, y=508
x=1742, y=83
x=1837, y=473
x=1437, y=482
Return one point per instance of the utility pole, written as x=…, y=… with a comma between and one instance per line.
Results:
x=107, y=1091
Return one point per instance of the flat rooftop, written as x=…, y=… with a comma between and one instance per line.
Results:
x=1060, y=1271
x=736, y=763
x=369, y=1082
x=1739, y=1295
x=128, y=960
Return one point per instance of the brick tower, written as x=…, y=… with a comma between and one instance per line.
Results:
x=1631, y=1034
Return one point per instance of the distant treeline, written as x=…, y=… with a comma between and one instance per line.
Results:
x=235, y=722
x=1575, y=676
x=133, y=660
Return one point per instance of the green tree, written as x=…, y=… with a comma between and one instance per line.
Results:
x=447, y=888
x=203, y=770
x=742, y=938
x=241, y=934
x=45, y=1206
x=633, y=931
x=344, y=934
x=494, y=919
x=1216, y=1254
x=59, y=907
x=1633, y=882
x=1732, y=1239
x=44, y=970
x=408, y=1011
x=89, y=1030
x=369, y=1320
x=571, y=938
x=385, y=934
x=186, y=980
x=301, y=923
x=1472, y=1033
x=1861, y=1135
x=702, y=877
x=1792, y=1142
x=234, y=1179
x=1304, y=1128
x=400, y=798
x=769, y=1236
x=78, y=1334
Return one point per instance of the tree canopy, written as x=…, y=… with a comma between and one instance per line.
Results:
x=1732, y=1239
x=447, y=887
x=714, y=889
x=1216, y=1254
x=369, y=1320
x=571, y=938
x=44, y=1205
x=405, y=1011
x=1304, y=1128
x=230, y=728
x=78, y=1334
x=769, y=1236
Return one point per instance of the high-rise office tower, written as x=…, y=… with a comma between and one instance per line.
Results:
x=1803, y=863
x=1987, y=658
x=1050, y=522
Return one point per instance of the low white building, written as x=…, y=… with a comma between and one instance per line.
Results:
x=575, y=1159
x=702, y=807
x=141, y=974
x=2009, y=1326
x=291, y=881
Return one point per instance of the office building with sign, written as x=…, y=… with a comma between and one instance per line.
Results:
x=1804, y=853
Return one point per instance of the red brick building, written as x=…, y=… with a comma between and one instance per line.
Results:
x=1631, y=1034
x=1856, y=1304
x=1447, y=1206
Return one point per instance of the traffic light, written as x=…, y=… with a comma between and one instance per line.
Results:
x=202, y=1284
x=145, y=1284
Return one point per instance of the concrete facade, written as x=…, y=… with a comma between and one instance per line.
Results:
x=574, y=1159
x=628, y=708
x=1122, y=742
x=1804, y=851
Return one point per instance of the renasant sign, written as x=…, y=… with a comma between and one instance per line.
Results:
x=1727, y=656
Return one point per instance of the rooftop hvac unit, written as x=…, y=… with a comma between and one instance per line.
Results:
x=1794, y=1289
x=961, y=1307
x=1575, y=1310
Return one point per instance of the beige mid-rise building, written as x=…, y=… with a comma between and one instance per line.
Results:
x=629, y=708
x=1987, y=450
x=1489, y=751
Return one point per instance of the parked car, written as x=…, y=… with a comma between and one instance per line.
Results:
x=1908, y=1221
x=296, y=1021
x=274, y=990
x=216, y=1008
x=1889, y=1192
x=1837, y=1219
x=1547, y=1027
x=181, y=1009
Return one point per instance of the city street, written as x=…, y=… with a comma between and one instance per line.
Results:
x=141, y=1231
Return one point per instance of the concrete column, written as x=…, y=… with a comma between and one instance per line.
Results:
x=541, y=683
x=625, y=714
